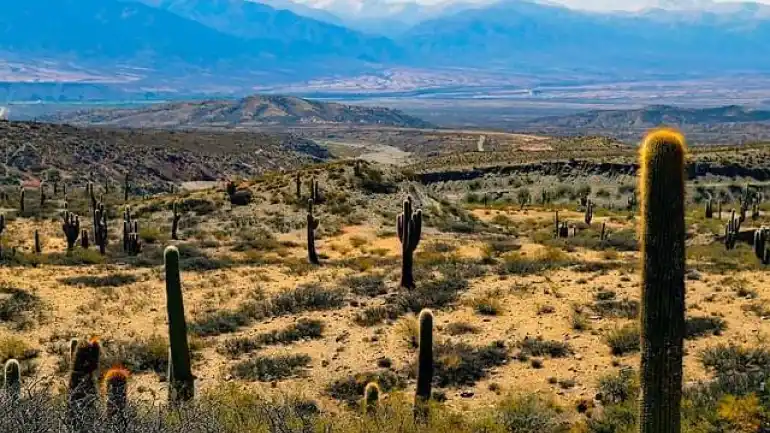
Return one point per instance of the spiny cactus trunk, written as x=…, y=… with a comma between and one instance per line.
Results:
x=21, y=200
x=425, y=365
x=116, y=381
x=38, y=246
x=175, y=223
x=371, y=398
x=182, y=382
x=663, y=291
x=82, y=390
x=12, y=376
x=71, y=229
x=312, y=225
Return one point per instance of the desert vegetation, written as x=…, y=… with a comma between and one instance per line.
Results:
x=353, y=296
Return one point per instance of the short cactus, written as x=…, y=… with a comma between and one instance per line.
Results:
x=371, y=398
x=116, y=387
x=409, y=227
x=663, y=290
x=298, y=186
x=21, y=200
x=71, y=228
x=181, y=380
x=82, y=390
x=709, y=209
x=760, y=239
x=312, y=225
x=100, y=228
x=42, y=195
x=12, y=375
x=84, y=239
x=38, y=245
x=425, y=362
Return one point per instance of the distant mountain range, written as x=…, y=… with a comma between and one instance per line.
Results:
x=729, y=123
x=183, y=45
x=253, y=111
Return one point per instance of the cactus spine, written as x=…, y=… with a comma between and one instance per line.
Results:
x=116, y=384
x=371, y=398
x=181, y=380
x=312, y=225
x=174, y=222
x=409, y=227
x=663, y=291
x=12, y=376
x=425, y=363
x=71, y=228
x=82, y=391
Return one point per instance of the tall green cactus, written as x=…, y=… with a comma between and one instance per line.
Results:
x=409, y=228
x=663, y=291
x=21, y=200
x=424, y=363
x=71, y=228
x=181, y=382
x=82, y=390
x=589, y=213
x=126, y=188
x=2, y=228
x=312, y=225
x=298, y=186
x=709, y=209
x=12, y=376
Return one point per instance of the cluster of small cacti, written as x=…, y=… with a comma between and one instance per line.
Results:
x=312, y=225
x=409, y=228
x=663, y=292
x=71, y=228
x=175, y=217
x=732, y=230
x=132, y=244
x=562, y=228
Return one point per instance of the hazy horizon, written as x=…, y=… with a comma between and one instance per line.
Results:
x=594, y=5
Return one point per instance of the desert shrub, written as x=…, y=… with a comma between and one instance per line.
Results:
x=96, y=281
x=460, y=364
x=461, y=328
x=18, y=307
x=487, y=303
x=150, y=354
x=270, y=368
x=620, y=387
x=258, y=239
x=309, y=297
x=520, y=264
x=540, y=347
x=617, y=308
x=624, y=340
x=365, y=285
x=375, y=315
x=295, y=301
x=200, y=206
x=301, y=330
x=434, y=294
x=531, y=414
x=616, y=418
x=351, y=389
x=701, y=326
x=151, y=234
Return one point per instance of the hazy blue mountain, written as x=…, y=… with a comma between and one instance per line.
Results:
x=304, y=10
x=252, y=20
x=521, y=34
